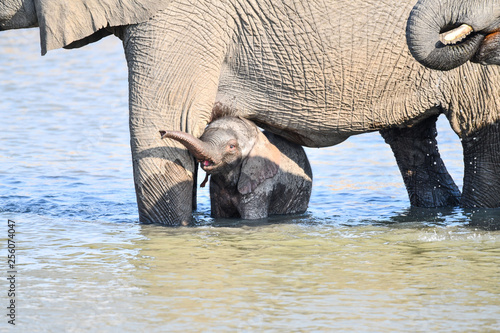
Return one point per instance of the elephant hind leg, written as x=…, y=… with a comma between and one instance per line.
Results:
x=482, y=168
x=425, y=176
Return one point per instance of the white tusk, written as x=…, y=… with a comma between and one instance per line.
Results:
x=456, y=35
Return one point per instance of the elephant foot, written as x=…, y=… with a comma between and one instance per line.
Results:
x=482, y=168
x=425, y=176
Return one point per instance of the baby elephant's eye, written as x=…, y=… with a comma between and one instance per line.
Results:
x=231, y=145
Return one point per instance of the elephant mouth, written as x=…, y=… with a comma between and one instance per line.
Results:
x=207, y=165
x=487, y=53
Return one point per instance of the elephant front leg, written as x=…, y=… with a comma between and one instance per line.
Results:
x=174, y=68
x=425, y=176
x=164, y=185
x=482, y=168
x=255, y=205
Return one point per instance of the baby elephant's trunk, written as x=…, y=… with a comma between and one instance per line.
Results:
x=200, y=150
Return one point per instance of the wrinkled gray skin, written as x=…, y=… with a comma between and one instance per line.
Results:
x=253, y=174
x=321, y=70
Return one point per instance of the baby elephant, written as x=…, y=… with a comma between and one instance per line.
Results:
x=253, y=174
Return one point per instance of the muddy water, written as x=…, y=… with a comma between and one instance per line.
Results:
x=359, y=260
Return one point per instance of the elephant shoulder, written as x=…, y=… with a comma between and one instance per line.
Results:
x=294, y=158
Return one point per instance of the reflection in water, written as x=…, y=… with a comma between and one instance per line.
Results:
x=486, y=219
x=358, y=260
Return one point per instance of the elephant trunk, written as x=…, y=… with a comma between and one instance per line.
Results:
x=440, y=36
x=444, y=34
x=202, y=151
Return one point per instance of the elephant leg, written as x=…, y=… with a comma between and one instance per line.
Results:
x=427, y=181
x=482, y=168
x=174, y=64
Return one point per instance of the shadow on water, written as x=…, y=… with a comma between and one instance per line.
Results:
x=485, y=219
x=203, y=219
x=412, y=217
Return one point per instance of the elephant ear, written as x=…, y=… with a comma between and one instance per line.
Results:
x=63, y=22
x=262, y=163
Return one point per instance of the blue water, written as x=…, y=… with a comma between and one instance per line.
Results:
x=359, y=260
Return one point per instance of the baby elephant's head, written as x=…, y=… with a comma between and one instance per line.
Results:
x=225, y=143
x=233, y=146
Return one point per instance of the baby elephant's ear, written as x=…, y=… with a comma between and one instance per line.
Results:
x=262, y=162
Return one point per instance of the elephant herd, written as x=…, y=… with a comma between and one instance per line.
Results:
x=310, y=73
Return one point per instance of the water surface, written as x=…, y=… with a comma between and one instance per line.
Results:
x=359, y=260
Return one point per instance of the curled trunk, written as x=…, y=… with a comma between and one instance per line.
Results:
x=200, y=150
x=444, y=34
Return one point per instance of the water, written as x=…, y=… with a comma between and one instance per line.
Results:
x=359, y=260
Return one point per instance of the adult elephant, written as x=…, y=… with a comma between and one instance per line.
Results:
x=315, y=72
x=444, y=34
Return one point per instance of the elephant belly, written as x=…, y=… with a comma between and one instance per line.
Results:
x=319, y=82
x=324, y=117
